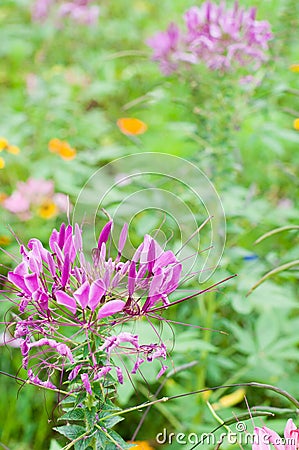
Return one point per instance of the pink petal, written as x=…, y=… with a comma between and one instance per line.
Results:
x=132, y=278
x=291, y=435
x=65, y=300
x=97, y=290
x=274, y=438
x=112, y=307
x=105, y=234
x=86, y=383
x=260, y=440
x=18, y=281
x=122, y=238
x=290, y=426
x=82, y=294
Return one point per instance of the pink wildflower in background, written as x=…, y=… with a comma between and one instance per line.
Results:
x=35, y=197
x=81, y=11
x=220, y=37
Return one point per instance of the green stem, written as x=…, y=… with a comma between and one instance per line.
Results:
x=70, y=445
x=200, y=391
x=209, y=305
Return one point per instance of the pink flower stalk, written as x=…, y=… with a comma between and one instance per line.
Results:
x=59, y=288
x=32, y=195
x=220, y=37
x=80, y=11
x=264, y=436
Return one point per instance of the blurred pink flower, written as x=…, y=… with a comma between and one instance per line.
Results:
x=81, y=11
x=35, y=194
x=219, y=37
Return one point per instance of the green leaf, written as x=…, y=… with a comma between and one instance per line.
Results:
x=112, y=421
x=90, y=415
x=71, y=431
x=83, y=443
x=74, y=414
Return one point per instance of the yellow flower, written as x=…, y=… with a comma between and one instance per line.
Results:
x=62, y=148
x=230, y=399
x=294, y=68
x=296, y=124
x=13, y=149
x=2, y=163
x=67, y=152
x=4, y=240
x=3, y=143
x=47, y=210
x=131, y=126
x=141, y=445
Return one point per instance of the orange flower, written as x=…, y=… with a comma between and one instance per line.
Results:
x=131, y=126
x=54, y=145
x=67, y=152
x=142, y=445
x=294, y=68
x=3, y=196
x=47, y=210
x=296, y=124
x=62, y=148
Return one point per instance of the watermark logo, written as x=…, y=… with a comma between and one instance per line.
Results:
x=240, y=437
x=167, y=196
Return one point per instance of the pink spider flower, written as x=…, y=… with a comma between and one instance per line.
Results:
x=220, y=37
x=58, y=288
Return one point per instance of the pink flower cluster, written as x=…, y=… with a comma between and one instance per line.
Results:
x=32, y=195
x=264, y=437
x=81, y=11
x=60, y=289
x=222, y=38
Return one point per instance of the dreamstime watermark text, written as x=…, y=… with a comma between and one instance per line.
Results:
x=241, y=436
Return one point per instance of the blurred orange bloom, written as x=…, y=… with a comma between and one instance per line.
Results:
x=141, y=445
x=294, y=67
x=62, y=148
x=296, y=124
x=2, y=163
x=3, y=196
x=13, y=149
x=131, y=126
